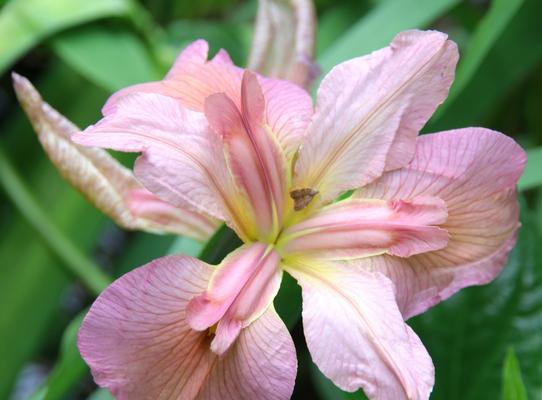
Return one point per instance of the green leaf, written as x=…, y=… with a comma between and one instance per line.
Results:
x=515, y=54
x=487, y=32
x=380, y=25
x=187, y=246
x=69, y=368
x=111, y=58
x=532, y=177
x=468, y=335
x=512, y=388
x=32, y=284
x=223, y=242
x=231, y=36
x=288, y=301
x=26, y=22
x=75, y=261
x=327, y=390
x=101, y=394
x=333, y=23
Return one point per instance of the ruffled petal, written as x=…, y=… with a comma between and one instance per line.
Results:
x=370, y=109
x=353, y=229
x=139, y=345
x=192, y=79
x=475, y=171
x=356, y=334
x=183, y=162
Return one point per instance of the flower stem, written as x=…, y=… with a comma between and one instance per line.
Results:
x=94, y=279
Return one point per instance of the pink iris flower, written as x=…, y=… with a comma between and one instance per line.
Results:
x=424, y=217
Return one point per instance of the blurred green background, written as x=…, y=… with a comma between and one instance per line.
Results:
x=486, y=342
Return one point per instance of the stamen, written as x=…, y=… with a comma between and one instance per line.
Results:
x=302, y=197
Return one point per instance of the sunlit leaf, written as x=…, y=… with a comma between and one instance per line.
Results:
x=111, y=58
x=532, y=177
x=380, y=25
x=512, y=385
x=26, y=22
x=100, y=394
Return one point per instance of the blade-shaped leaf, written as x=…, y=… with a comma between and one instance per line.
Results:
x=380, y=25
x=512, y=385
x=69, y=368
x=514, y=55
x=111, y=58
x=26, y=22
x=101, y=394
x=532, y=177
x=487, y=32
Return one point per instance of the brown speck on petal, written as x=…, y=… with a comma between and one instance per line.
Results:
x=302, y=197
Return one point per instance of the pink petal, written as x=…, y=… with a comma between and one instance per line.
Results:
x=161, y=215
x=474, y=171
x=138, y=344
x=261, y=365
x=254, y=157
x=192, y=79
x=288, y=112
x=360, y=228
x=241, y=289
x=356, y=334
x=173, y=139
x=107, y=184
x=370, y=109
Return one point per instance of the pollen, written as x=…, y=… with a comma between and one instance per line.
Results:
x=211, y=331
x=302, y=197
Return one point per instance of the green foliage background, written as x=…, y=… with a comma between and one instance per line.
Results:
x=486, y=342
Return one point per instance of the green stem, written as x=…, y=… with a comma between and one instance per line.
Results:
x=76, y=262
